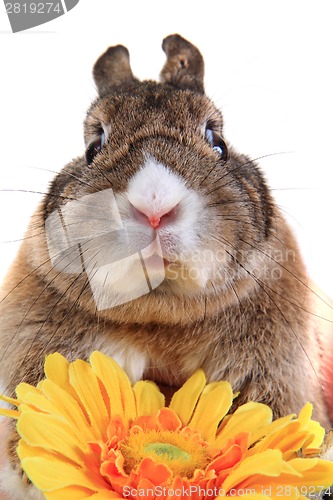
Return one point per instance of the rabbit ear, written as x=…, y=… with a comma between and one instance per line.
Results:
x=184, y=67
x=113, y=69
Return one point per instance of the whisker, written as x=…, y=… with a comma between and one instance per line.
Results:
x=296, y=278
x=241, y=165
x=263, y=287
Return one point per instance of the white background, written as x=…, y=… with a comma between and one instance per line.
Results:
x=268, y=66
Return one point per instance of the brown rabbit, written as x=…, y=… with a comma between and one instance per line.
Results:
x=163, y=248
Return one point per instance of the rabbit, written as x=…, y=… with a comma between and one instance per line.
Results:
x=162, y=247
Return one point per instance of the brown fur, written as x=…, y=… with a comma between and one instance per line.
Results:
x=256, y=331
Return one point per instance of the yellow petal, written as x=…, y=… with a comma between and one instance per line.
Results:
x=268, y=463
x=270, y=428
x=247, y=418
x=288, y=439
x=117, y=386
x=84, y=381
x=24, y=390
x=148, y=397
x=10, y=401
x=40, y=402
x=52, y=433
x=214, y=402
x=68, y=407
x=76, y=492
x=185, y=399
x=24, y=450
x=70, y=493
x=316, y=436
x=51, y=474
x=305, y=414
x=9, y=413
x=56, y=369
x=316, y=472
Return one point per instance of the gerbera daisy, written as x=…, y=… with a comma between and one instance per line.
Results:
x=86, y=432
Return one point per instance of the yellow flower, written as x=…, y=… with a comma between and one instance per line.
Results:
x=87, y=433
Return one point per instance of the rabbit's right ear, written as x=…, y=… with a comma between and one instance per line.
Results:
x=112, y=70
x=184, y=67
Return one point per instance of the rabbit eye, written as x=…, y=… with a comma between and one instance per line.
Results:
x=94, y=148
x=218, y=143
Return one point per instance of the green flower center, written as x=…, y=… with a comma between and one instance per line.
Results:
x=182, y=453
x=168, y=451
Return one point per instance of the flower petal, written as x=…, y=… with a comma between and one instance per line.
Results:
x=217, y=397
x=305, y=414
x=52, y=433
x=268, y=463
x=37, y=400
x=24, y=450
x=168, y=420
x=270, y=428
x=247, y=418
x=67, y=406
x=185, y=399
x=156, y=473
x=79, y=493
x=50, y=475
x=10, y=401
x=316, y=472
x=56, y=369
x=9, y=413
x=24, y=390
x=117, y=385
x=149, y=398
x=85, y=383
x=316, y=436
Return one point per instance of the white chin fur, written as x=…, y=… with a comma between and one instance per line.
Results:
x=122, y=269
x=156, y=189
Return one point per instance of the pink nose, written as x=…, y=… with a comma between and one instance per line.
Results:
x=154, y=219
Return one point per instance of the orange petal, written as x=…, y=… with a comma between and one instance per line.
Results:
x=231, y=454
x=158, y=474
x=116, y=428
x=168, y=420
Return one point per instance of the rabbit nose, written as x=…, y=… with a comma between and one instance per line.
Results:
x=154, y=221
x=155, y=218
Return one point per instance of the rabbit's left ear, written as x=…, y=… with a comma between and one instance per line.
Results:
x=184, y=67
x=112, y=70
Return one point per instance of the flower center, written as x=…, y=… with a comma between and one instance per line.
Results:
x=172, y=452
x=182, y=454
